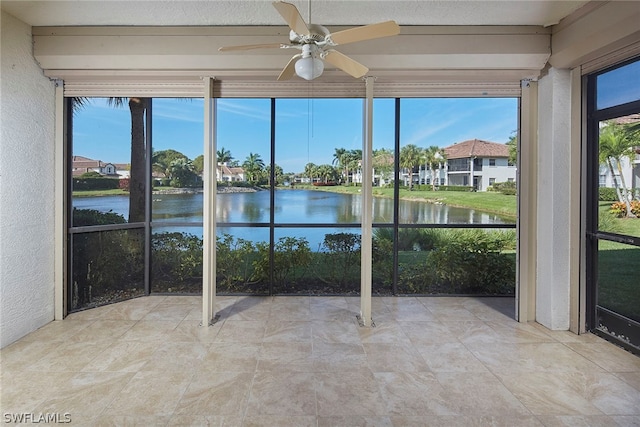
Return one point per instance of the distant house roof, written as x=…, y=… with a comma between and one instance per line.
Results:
x=627, y=120
x=476, y=148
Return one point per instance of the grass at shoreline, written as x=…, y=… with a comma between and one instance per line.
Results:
x=490, y=202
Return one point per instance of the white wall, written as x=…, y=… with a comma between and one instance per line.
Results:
x=26, y=187
x=553, y=211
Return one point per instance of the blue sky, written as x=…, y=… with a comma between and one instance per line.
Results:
x=306, y=130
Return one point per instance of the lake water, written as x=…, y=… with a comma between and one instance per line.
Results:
x=291, y=207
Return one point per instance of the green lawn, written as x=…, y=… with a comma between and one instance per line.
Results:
x=497, y=203
x=98, y=193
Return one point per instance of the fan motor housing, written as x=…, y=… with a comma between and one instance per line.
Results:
x=317, y=33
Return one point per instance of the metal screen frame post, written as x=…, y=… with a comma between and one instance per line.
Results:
x=209, y=208
x=366, y=245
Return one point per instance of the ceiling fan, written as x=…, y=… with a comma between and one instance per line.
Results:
x=316, y=44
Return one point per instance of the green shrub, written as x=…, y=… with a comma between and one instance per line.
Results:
x=234, y=268
x=84, y=217
x=509, y=187
x=382, y=265
x=176, y=264
x=461, y=262
x=108, y=266
x=607, y=194
x=341, y=252
x=471, y=261
x=97, y=183
x=291, y=258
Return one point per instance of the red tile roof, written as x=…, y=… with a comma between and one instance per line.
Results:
x=476, y=148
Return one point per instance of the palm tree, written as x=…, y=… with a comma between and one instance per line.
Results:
x=615, y=144
x=433, y=157
x=338, y=159
x=182, y=173
x=310, y=171
x=138, y=109
x=410, y=157
x=253, y=165
x=383, y=163
x=224, y=155
x=327, y=173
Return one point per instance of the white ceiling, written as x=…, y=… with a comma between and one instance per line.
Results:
x=260, y=12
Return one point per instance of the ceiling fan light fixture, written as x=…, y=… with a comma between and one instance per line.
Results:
x=309, y=68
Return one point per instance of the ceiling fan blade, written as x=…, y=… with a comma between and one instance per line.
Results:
x=253, y=46
x=289, y=70
x=367, y=32
x=292, y=17
x=346, y=64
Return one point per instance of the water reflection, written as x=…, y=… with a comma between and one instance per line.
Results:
x=292, y=207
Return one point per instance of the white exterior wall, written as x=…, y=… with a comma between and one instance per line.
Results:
x=26, y=193
x=553, y=211
x=502, y=172
x=627, y=174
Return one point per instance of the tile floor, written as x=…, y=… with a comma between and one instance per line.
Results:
x=305, y=361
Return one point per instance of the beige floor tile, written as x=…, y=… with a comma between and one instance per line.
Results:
x=169, y=312
x=23, y=391
x=514, y=332
x=627, y=420
x=336, y=331
x=550, y=393
x=58, y=330
x=177, y=357
x=480, y=394
x=280, y=421
x=471, y=331
x=577, y=420
x=452, y=313
x=427, y=332
x=290, y=309
x=530, y=357
x=122, y=356
x=134, y=309
x=251, y=308
x=102, y=330
x=282, y=393
x=331, y=308
x=86, y=393
x=241, y=331
x=181, y=420
x=450, y=357
x=383, y=357
x=384, y=332
x=122, y=420
x=612, y=359
x=631, y=378
x=413, y=394
x=338, y=357
x=150, y=393
x=22, y=354
x=348, y=393
x=286, y=357
x=231, y=357
x=150, y=330
x=465, y=421
x=216, y=393
x=70, y=356
x=287, y=331
x=354, y=421
x=91, y=313
x=305, y=361
x=190, y=330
